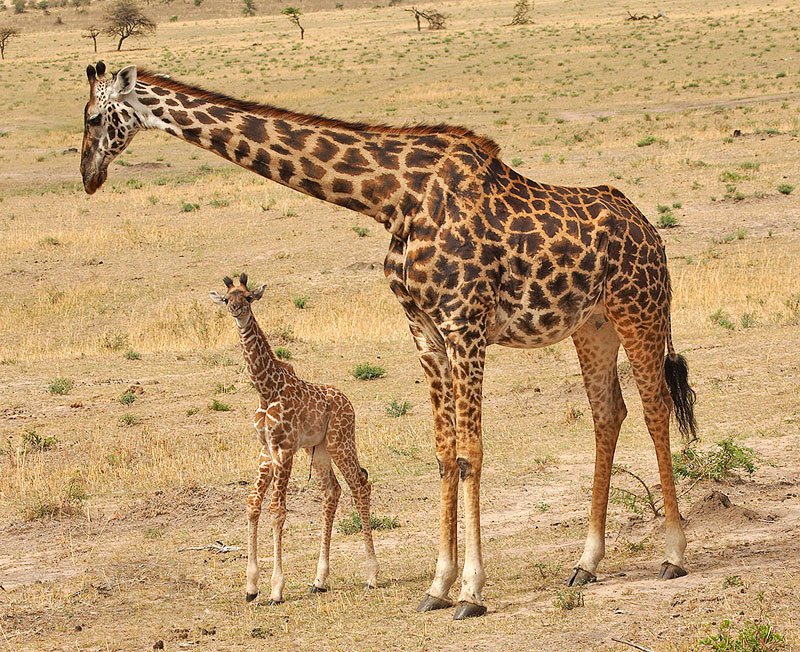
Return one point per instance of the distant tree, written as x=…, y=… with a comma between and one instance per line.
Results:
x=125, y=19
x=249, y=8
x=93, y=32
x=436, y=19
x=293, y=14
x=522, y=12
x=6, y=34
x=19, y=6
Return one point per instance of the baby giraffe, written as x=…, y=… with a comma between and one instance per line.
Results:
x=295, y=414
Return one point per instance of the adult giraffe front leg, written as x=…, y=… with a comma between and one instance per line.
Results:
x=436, y=366
x=466, y=350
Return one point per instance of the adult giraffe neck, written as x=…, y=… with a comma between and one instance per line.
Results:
x=376, y=170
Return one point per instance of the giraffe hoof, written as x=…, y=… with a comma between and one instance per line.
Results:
x=251, y=596
x=670, y=571
x=429, y=603
x=318, y=589
x=274, y=603
x=468, y=610
x=580, y=577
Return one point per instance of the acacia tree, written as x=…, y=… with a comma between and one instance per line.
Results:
x=436, y=19
x=293, y=14
x=6, y=34
x=125, y=19
x=93, y=32
x=522, y=12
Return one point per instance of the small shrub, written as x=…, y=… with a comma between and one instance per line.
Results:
x=71, y=502
x=646, y=141
x=361, y=231
x=785, y=188
x=748, y=320
x=397, y=409
x=300, y=302
x=222, y=388
x=32, y=440
x=130, y=354
x=282, y=353
x=219, y=406
x=128, y=419
x=114, y=341
x=731, y=580
x=752, y=637
x=717, y=464
x=367, y=371
x=569, y=599
x=722, y=318
x=127, y=398
x=189, y=207
x=60, y=386
x=352, y=523
x=667, y=221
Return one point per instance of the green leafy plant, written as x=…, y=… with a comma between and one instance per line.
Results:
x=397, y=409
x=60, y=386
x=130, y=354
x=127, y=398
x=785, y=188
x=219, y=406
x=367, y=371
x=282, y=353
x=569, y=598
x=361, y=231
x=300, y=302
x=32, y=440
x=352, y=523
x=723, y=319
x=719, y=463
x=189, y=207
x=128, y=419
x=752, y=637
x=646, y=141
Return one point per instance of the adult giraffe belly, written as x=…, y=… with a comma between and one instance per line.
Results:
x=522, y=325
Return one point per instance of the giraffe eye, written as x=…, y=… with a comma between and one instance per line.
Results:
x=95, y=120
x=250, y=299
x=225, y=300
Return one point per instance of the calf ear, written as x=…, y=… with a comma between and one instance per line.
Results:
x=217, y=298
x=259, y=292
x=124, y=82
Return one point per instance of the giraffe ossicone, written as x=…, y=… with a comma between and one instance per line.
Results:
x=479, y=255
x=294, y=414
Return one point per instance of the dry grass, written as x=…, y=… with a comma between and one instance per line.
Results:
x=98, y=517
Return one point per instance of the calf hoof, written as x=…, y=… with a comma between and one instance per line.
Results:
x=580, y=577
x=429, y=603
x=251, y=596
x=273, y=603
x=670, y=571
x=318, y=589
x=468, y=610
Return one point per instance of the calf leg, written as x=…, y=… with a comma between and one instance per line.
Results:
x=282, y=469
x=254, y=502
x=330, y=499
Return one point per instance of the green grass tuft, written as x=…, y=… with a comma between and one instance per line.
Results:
x=352, y=523
x=367, y=371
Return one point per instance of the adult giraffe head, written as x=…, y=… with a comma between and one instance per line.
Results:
x=110, y=121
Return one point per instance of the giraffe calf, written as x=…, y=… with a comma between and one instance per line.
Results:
x=295, y=414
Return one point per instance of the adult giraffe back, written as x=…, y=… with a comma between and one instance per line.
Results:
x=479, y=255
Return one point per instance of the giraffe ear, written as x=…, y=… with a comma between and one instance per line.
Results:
x=258, y=292
x=217, y=298
x=124, y=82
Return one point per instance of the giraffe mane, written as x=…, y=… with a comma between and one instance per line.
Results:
x=485, y=143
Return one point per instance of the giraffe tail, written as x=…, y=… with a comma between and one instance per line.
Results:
x=676, y=372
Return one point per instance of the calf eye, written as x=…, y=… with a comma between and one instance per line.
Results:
x=249, y=299
x=95, y=120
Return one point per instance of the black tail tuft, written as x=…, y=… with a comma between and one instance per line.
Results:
x=676, y=372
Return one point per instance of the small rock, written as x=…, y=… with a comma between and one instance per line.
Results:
x=158, y=645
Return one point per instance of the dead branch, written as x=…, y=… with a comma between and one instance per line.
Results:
x=633, y=645
x=217, y=546
x=660, y=14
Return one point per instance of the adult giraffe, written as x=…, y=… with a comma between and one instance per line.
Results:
x=479, y=255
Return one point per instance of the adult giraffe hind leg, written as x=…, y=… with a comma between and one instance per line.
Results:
x=645, y=344
x=597, y=345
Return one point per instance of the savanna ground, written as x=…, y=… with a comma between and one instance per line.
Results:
x=107, y=296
